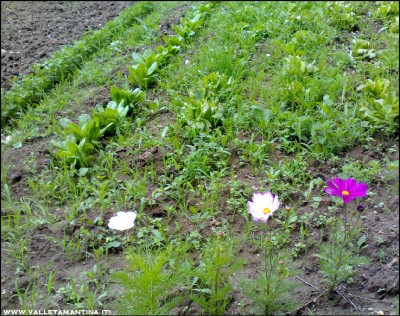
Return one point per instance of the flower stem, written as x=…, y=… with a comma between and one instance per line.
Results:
x=216, y=281
x=345, y=221
x=268, y=266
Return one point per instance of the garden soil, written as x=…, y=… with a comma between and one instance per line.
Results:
x=31, y=31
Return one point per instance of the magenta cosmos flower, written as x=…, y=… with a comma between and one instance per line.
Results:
x=348, y=189
x=263, y=206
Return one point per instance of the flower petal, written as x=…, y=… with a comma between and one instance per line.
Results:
x=332, y=184
x=269, y=198
x=122, y=220
x=258, y=198
x=332, y=191
x=351, y=184
x=276, y=203
x=361, y=189
x=341, y=184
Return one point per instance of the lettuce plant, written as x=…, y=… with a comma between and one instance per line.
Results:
x=384, y=113
x=89, y=128
x=144, y=72
x=160, y=55
x=362, y=49
x=216, y=86
x=164, y=54
x=295, y=66
x=76, y=155
x=113, y=116
x=203, y=109
x=201, y=113
x=174, y=40
x=188, y=26
x=342, y=15
x=131, y=98
x=387, y=8
x=143, y=75
x=380, y=107
x=378, y=88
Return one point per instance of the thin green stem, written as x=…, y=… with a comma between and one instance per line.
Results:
x=345, y=221
x=215, y=290
x=268, y=267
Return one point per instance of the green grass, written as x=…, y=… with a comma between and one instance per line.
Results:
x=270, y=91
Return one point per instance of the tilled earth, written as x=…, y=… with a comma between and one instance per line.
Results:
x=31, y=31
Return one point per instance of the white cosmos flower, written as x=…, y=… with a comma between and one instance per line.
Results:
x=263, y=206
x=122, y=221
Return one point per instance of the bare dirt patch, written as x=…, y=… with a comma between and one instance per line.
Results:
x=31, y=31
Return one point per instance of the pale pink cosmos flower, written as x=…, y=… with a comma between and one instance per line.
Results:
x=263, y=205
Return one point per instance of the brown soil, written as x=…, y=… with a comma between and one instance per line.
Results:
x=32, y=31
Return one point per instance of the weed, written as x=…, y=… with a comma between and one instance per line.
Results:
x=211, y=284
x=151, y=280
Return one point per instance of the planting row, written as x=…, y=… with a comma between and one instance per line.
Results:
x=31, y=89
x=81, y=139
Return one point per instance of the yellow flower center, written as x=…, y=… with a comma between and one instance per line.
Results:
x=345, y=192
x=266, y=210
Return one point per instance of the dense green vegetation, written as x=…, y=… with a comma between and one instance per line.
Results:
x=268, y=87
